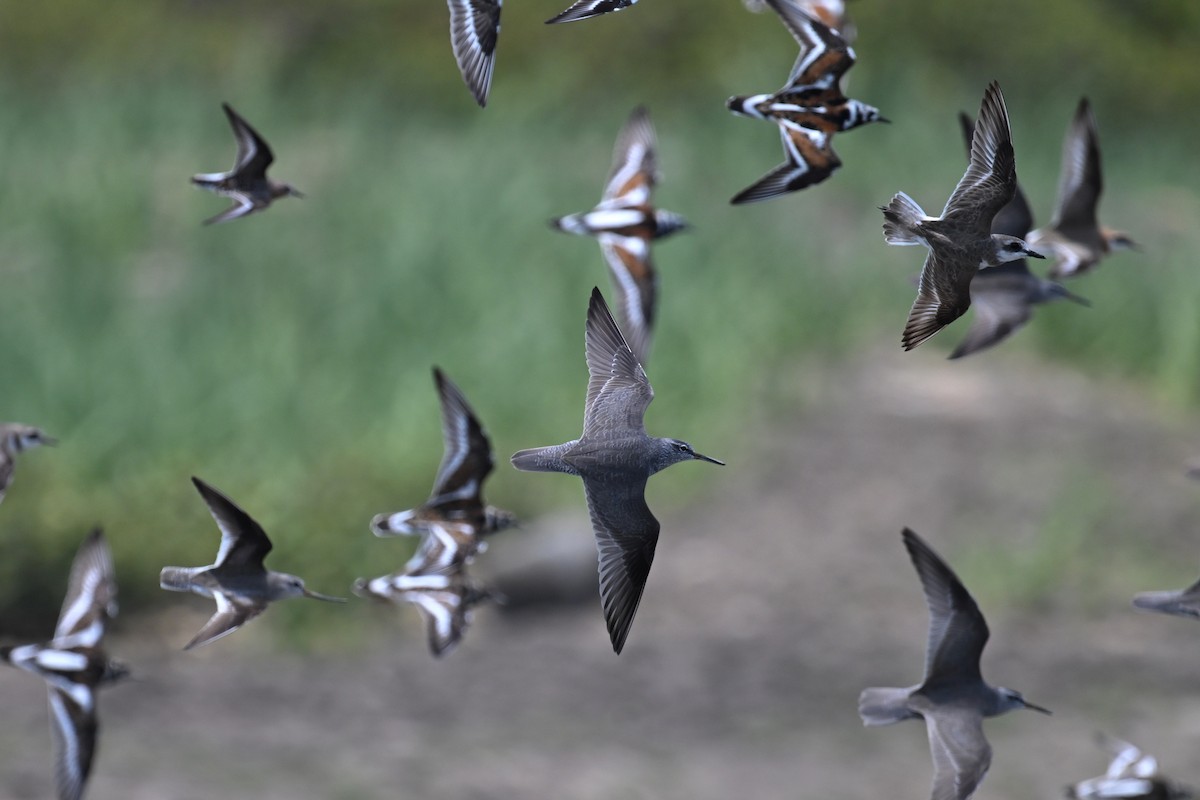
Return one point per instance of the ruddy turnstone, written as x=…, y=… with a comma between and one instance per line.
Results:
x=829, y=12
x=16, y=438
x=615, y=457
x=1131, y=775
x=583, y=9
x=809, y=109
x=247, y=183
x=960, y=241
x=953, y=698
x=625, y=223
x=454, y=519
x=74, y=663
x=239, y=583
x=474, y=31
x=444, y=600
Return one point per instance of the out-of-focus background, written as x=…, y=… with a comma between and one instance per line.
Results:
x=286, y=359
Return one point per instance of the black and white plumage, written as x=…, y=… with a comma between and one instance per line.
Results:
x=445, y=600
x=74, y=663
x=953, y=698
x=247, y=183
x=809, y=109
x=474, y=32
x=1131, y=775
x=625, y=223
x=16, y=438
x=455, y=519
x=960, y=241
x=585, y=9
x=615, y=457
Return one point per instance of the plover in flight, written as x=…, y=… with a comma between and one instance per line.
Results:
x=1131, y=775
x=454, y=518
x=625, y=222
x=444, y=600
x=960, y=241
x=1074, y=237
x=16, y=438
x=474, y=30
x=615, y=457
x=953, y=698
x=583, y=9
x=809, y=109
x=74, y=663
x=247, y=183
x=239, y=583
x=1004, y=296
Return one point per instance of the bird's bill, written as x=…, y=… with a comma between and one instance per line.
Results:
x=325, y=597
x=1029, y=251
x=703, y=457
x=296, y=193
x=47, y=440
x=1034, y=707
x=1074, y=298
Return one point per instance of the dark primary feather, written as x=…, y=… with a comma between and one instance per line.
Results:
x=1080, y=181
x=249, y=543
x=253, y=153
x=467, y=456
x=991, y=177
x=626, y=536
x=1015, y=218
x=957, y=630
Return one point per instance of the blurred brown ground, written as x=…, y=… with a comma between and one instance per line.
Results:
x=774, y=600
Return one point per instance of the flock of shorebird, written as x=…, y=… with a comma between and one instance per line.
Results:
x=976, y=251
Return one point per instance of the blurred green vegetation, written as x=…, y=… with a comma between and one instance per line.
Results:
x=285, y=358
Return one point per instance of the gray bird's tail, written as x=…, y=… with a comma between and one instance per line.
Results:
x=175, y=579
x=544, y=459
x=902, y=218
x=884, y=706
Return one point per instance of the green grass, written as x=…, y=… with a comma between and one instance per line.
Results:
x=285, y=358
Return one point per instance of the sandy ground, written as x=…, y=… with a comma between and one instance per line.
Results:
x=775, y=598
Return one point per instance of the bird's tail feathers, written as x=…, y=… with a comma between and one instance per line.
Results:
x=902, y=218
x=542, y=459
x=883, y=706
x=175, y=579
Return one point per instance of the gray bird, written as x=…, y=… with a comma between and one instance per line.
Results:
x=953, y=699
x=625, y=223
x=247, y=183
x=454, y=520
x=1181, y=602
x=1131, y=774
x=615, y=457
x=16, y=438
x=74, y=663
x=1003, y=297
x=239, y=583
x=960, y=241
x=1074, y=236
